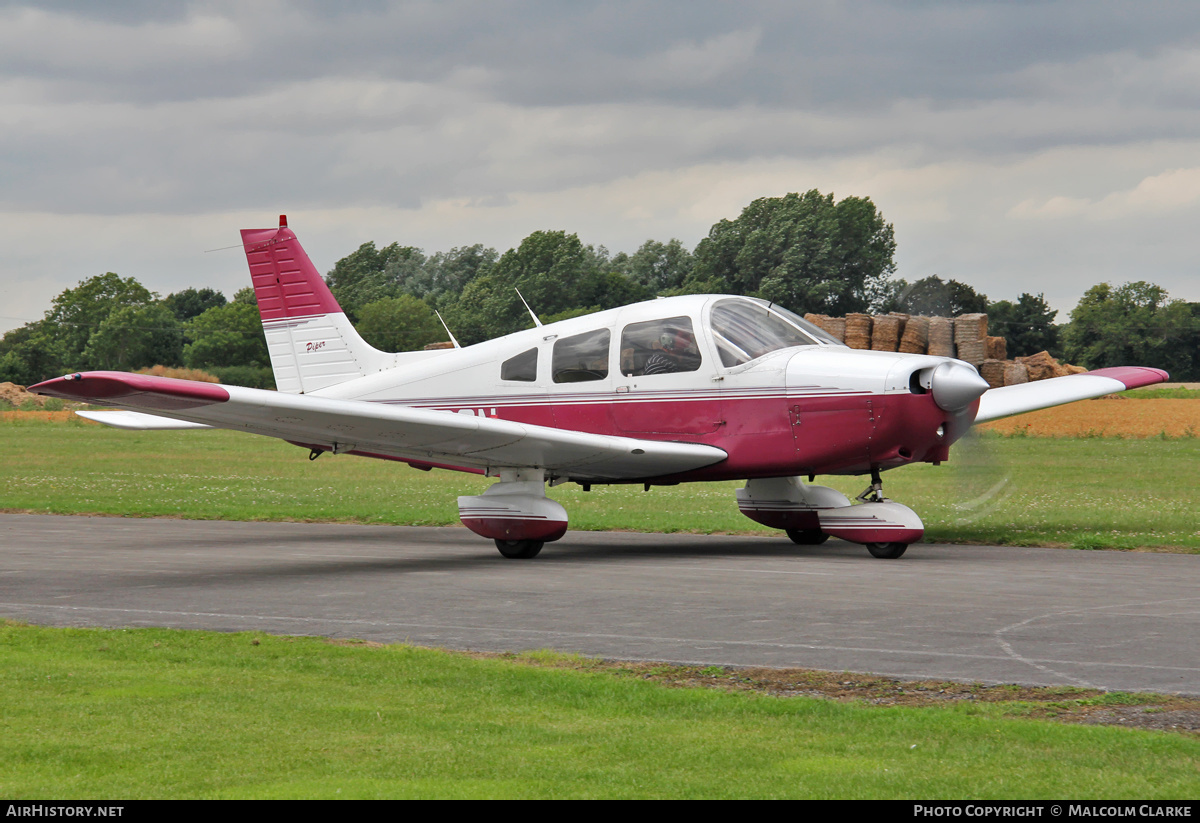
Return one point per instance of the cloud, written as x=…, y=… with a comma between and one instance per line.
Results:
x=1170, y=191
x=1015, y=146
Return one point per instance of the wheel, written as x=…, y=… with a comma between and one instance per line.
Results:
x=887, y=551
x=519, y=549
x=807, y=537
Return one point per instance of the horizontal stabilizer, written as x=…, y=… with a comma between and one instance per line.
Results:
x=1042, y=394
x=137, y=421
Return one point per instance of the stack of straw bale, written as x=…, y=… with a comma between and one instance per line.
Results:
x=834, y=326
x=970, y=338
x=858, y=331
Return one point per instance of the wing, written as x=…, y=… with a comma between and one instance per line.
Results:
x=421, y=436
x=1042, y=394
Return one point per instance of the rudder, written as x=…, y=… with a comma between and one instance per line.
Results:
x=311, y=342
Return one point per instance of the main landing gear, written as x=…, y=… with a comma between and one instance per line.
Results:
x=516, y=514
x=811, y=514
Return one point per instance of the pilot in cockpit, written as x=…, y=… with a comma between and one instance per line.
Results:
x=675, y=351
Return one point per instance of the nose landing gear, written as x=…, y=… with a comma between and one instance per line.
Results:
x=812, y=514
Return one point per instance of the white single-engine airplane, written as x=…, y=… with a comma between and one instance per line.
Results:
x=700, y=387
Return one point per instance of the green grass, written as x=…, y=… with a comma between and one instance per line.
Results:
x=1089, y=493
x=1153, y=394
x=142, y=713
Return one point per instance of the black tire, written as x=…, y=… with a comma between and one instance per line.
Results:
x=519, y=549
x=807, y=537
x=887, y=551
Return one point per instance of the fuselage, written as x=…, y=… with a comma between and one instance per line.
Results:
x=776, y=394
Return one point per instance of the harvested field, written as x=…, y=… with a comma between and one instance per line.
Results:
x=1106, y=417
x=64, y=416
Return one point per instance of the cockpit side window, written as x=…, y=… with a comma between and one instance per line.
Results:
x=582, y=357
x=522, y=367
x=659, y=347
x=745, y=330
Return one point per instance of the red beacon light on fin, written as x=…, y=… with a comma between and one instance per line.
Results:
x=283, y=221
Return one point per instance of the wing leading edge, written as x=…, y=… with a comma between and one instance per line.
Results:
x=1042, y=394
x=417, y=435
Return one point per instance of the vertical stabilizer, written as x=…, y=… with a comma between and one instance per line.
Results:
x=311, y=341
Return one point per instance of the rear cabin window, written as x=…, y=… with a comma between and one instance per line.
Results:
x=581, y=358
x=522, y=367
x=659, y=347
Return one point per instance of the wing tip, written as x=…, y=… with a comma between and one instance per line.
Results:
x=1133, y=377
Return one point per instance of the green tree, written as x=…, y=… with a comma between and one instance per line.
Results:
x=133, y=337
x=1133, y=325
x=76, y=314
x=229, y=335
x=660, y=267
x=191, y=303
x=246, y=295
x=401, y=323
x=554, y=272
x=31, y=354
x=369, y=274
x=1027, y=325
x=803, y=251
x=446, y=274
x=934, y=297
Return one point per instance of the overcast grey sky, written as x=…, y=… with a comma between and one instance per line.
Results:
x=1039, y=146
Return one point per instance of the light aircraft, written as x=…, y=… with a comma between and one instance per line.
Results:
x=681, y=389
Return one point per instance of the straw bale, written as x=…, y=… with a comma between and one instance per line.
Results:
x=997, y=348
x=941, y=336
x=993, y=372
x=1015, y=373
x=916, y=336
x=834, y=326
x=972, y=351
x=885, y=333
x=1041, y=366
x=970, y=327
x=858, y=331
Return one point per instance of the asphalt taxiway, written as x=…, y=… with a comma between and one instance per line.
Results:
x=1111, y=620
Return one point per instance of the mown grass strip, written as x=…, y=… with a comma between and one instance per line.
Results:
x=158, y=713
x=1088, y=493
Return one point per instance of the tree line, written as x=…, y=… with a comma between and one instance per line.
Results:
x=806, y=252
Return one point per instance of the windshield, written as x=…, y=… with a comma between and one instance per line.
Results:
x=747, y=329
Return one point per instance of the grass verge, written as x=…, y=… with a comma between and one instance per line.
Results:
x=159, y=713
